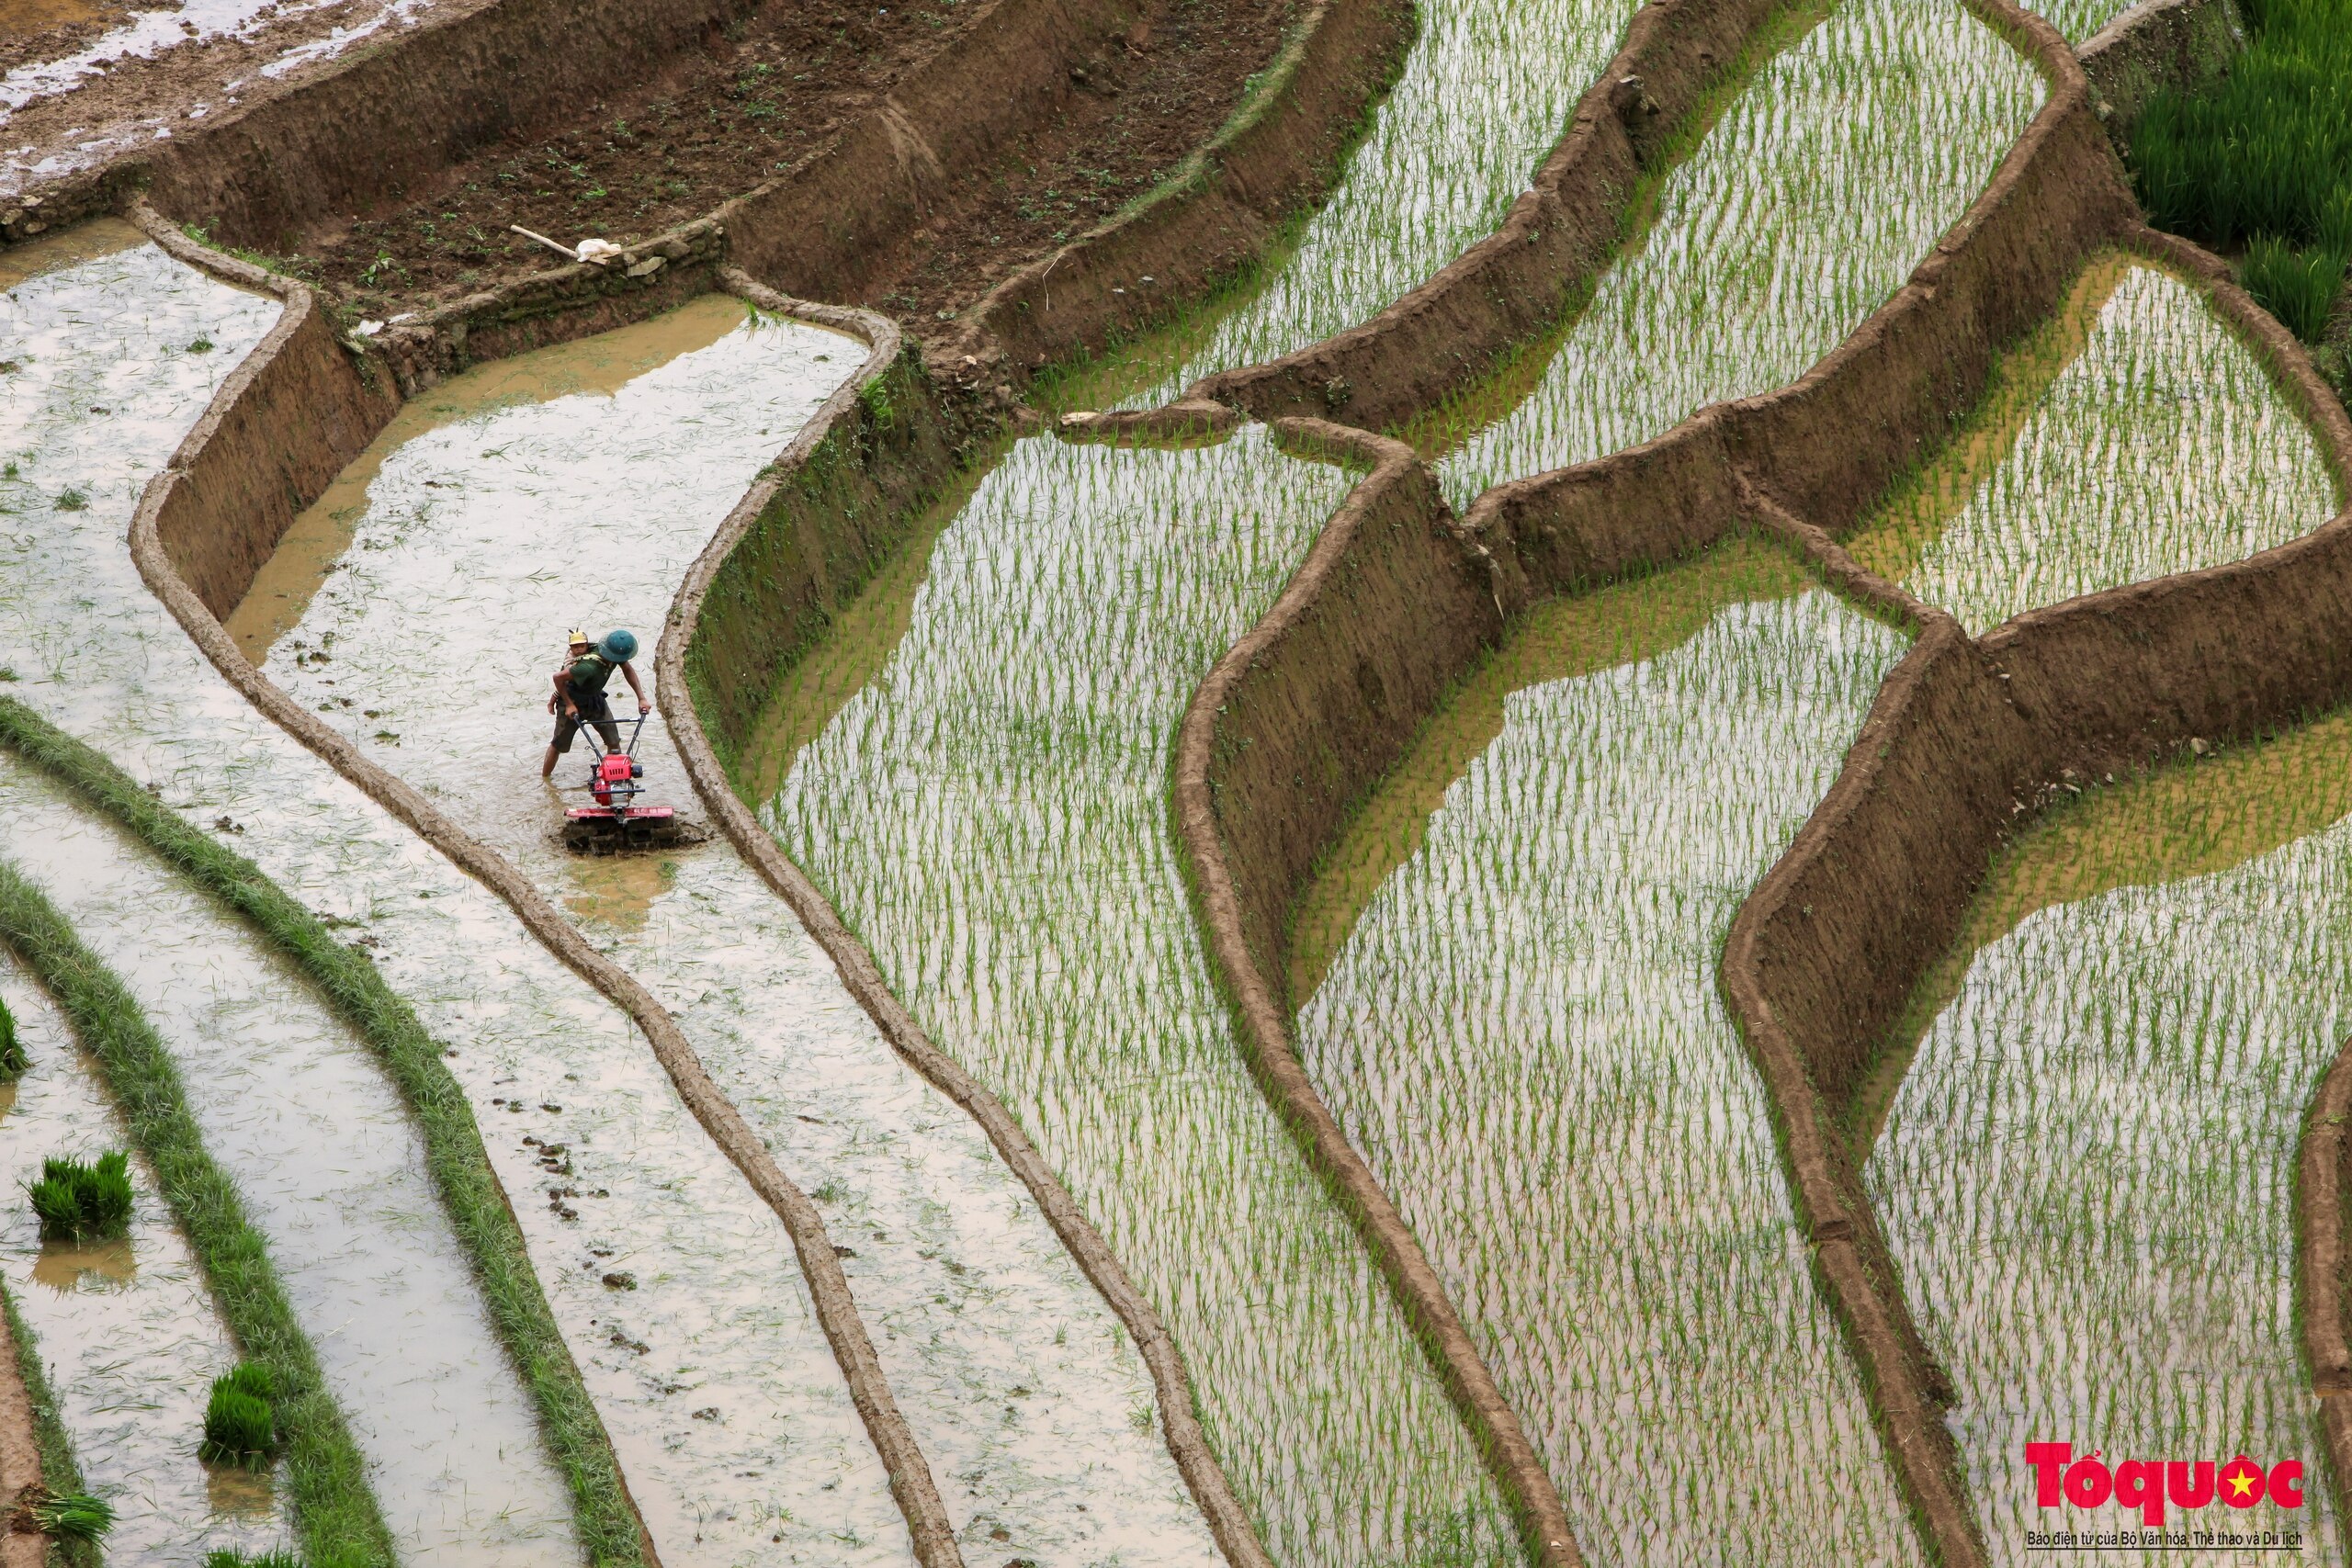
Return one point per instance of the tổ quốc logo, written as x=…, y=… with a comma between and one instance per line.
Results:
x=2167, y=1498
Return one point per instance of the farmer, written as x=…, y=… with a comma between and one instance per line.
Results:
x=579, y=697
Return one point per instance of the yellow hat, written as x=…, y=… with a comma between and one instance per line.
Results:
x=579, y=636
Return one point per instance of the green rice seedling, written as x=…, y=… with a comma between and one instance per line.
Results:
x=72, y=1516
x=1484, y=95
x=1810, y=201
x=990, y=814
x=2157, y=445
x=2264, y=152
x=12, y=1060
x=274, y=1559
x=2085, y=1175
x=83, y=1201
x=1524, y=1034
x=2299, y=286
x=240, y=1421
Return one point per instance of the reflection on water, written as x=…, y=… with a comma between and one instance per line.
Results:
x=991, y=813
x=606, y=1171
x=125, y=1329
x=501, y=530
x=1543, y=969
x=84, y=242
x=618, y=890
x=70, y=1266
x=234, y=1491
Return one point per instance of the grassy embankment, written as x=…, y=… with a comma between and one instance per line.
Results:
x=454, y=1152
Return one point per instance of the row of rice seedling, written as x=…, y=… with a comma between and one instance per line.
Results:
x=1824, y=182
x=2261, y=158
x=2160, y=445
x=2086, y=1175
x=1485, y=93
x=671, y=1282
x=125, y=1331
x=345, y=980
x=2078, y=20
x=1021, y=1387
x=333, y=1505
x=1522, y=1034
x=329, y=1171
x=990, y=814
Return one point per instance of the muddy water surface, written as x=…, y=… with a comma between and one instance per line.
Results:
x=514, y=522
x=607, y=1173
x=125, y=1329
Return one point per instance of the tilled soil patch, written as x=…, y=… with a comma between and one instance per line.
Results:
x=722, y=121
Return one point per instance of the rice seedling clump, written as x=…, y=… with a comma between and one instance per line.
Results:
x=1524, y=1036
x=2162, y=447
x=12, y=1060
x=72, y=1516
x=1829, y=178
x=2261, y=158
x=240, y=1420
x=79, y=1200
x=990, y=814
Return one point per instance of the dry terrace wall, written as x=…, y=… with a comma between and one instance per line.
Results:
x=2156, y=45
x=1281, y=149
x=1299, y=721
x=387, y=114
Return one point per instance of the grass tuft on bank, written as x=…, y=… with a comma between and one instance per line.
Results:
x=454, y=1153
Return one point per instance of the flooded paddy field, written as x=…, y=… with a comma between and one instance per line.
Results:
x=126, y=1329
x=317, y=1143
x=2092, y=1139
x=520, y=502
x=707, y=1300
x=2086, y=1172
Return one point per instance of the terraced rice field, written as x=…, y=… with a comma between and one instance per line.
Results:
x=610, y=1208
x=988, y=814
x=2103, y=1107
x=1017, y=1380
x=1522, y=1035
x=2161, y=446
x=1916, y=99
x=718, y=1300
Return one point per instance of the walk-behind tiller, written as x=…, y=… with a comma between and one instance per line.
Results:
x=617, y=821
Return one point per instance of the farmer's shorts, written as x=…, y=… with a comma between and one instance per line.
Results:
x=598, y=713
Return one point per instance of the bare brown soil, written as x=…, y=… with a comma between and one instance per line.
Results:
x=33, y=30
x=127, y=101
x=720, y=122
